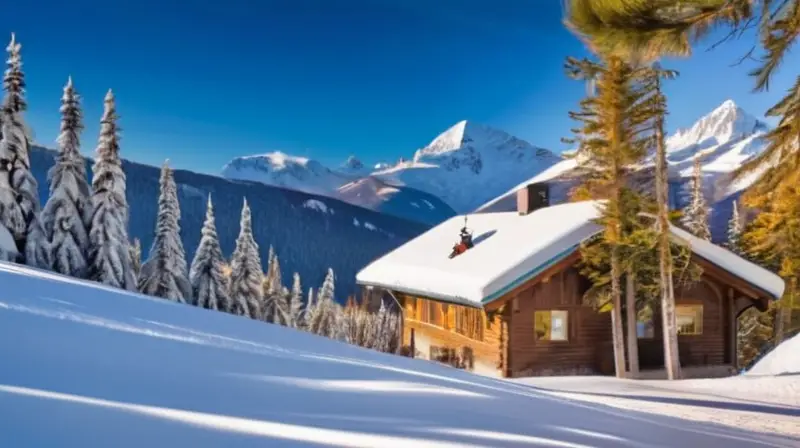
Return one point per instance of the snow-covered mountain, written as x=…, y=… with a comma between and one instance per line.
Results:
x=283, y=170
x=469, y=164
x=724, y=139
x=460, y=169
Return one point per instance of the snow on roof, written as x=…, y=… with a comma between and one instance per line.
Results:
x=508, y=250
x=732, y=263
x=511, y=249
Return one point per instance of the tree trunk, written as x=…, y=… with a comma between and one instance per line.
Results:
x=616, y=316
x=670, y=325
x=780, y=322
x=630, y=315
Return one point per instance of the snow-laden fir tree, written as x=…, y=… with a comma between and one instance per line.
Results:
x=109, y=257
x=735, y=230
x=165, y=274
x=246, y=275
x=67, y=216
x=273, y=307
x=135, y=249
x=695, y=215
x=324, y=313
x=209, y=285
x=359, y=325
x=382, y=328
x=19, y=196
x=294, y=307
x=309, y=311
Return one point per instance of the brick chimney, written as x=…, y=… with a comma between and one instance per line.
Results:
x=532, y=197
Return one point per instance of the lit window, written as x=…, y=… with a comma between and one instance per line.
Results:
x=551, y=325
x=690, y=319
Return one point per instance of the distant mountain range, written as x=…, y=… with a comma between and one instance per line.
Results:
x=309, y=232
x=471, y=167
x=723, y=139
x=459, y=170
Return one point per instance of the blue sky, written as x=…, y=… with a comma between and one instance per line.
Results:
x=200, y=82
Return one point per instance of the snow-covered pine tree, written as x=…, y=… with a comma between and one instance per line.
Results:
x=735, y=230
x=270, y=267
x=695, y=214
x=246, y=275
x=309, y=311
x=109, y=258
x=67, y=216
x=381, y=329
x=295, y=305
x=324, y=314
x=274, y=303
x=19, y=196
x=165, y=274
x=209, y=285
x=135, y=249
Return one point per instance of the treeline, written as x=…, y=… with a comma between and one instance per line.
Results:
x=620, y=125
x=82, y=232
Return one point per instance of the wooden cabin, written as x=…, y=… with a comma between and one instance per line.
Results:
x=512, y=305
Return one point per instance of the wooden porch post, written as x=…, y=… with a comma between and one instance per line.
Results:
x=733, y=329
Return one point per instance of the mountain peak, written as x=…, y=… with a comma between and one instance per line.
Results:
x=452, y=139
x=726, y=122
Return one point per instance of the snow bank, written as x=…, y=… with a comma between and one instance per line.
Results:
x=782, y=360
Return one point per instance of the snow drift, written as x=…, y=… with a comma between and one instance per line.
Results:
x=782, y=360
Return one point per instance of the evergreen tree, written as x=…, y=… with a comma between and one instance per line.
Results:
x=295, y=306
x=612, y=137
x=109, y=257
x=309, y=311
x=773, y=238
x=246, y=275
x=734, y=243
x=209, y=285
x=324, y=315
x=274, y=306
x=165, y=273
x=695, y=215
x=135, y=249
x=19, y=196
x=67, y=216
x=626, y=30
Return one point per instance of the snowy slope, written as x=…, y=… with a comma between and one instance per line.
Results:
x=724, y=139
x=404, y=202
x=307, y=239
x=86, y=366
x=470, y=164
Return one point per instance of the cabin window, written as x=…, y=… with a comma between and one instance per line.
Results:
x=690, y=319
x=551, y=325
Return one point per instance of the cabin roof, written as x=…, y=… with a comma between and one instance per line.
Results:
x=510, y=249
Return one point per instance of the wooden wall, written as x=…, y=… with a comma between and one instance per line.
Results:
x=436, y=326
x=589, y=332
x=713, y=346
